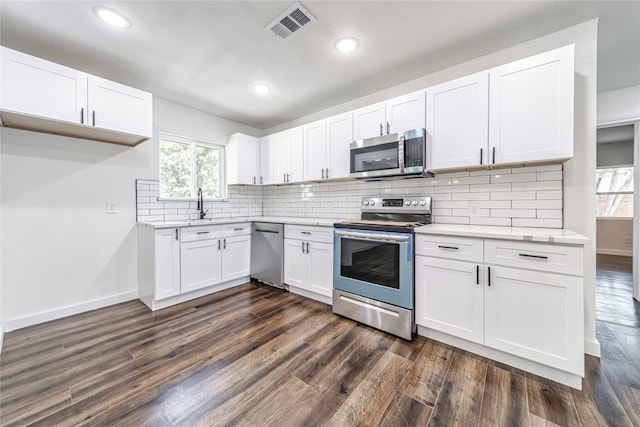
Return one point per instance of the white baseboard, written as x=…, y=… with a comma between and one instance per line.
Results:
x=617, y=252
x=592, y=347
x=70, y=310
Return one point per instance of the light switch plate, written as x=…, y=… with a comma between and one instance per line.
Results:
x=112, y=208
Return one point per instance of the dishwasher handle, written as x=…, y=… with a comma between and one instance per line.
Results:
x=260, y=230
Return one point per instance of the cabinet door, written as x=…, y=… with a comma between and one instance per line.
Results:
x=295, y=263
x=236, y=254
x=450, y=297
x=339, y=138
x=199, y=264
x=320, y=279
x=281, y=156
x=315, y=151
x=266, y=160
x=120, y=108
x=538, y=316
x=242, y=159
x=531, y=108
x=405, y=112
x=457, y=123
x=41, y=88
x=368, y=121
x=296, y=166
x=167, y=263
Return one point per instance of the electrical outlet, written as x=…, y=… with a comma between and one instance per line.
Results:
x=112, y=208
x=473, y=210
x=628, y=240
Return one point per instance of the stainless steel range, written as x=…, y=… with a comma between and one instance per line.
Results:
x=373, y=267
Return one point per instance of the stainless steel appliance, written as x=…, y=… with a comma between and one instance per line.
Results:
x=395, y=154
x=267, y=253
x=373, y=263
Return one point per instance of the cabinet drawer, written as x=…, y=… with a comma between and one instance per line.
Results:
x=457, y=248
x=190, y=234
x=310, y=233
x=535, y=256
x=236, y=229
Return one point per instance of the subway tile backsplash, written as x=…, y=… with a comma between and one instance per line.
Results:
x=518, y=197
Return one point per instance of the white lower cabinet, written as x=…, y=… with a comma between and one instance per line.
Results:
x=308, y=261
x=506, y=298
x=178, y=264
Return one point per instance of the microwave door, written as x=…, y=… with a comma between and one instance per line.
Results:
x=376, y=160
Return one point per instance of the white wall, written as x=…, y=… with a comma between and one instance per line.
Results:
x=619, y=106
x=612, y=236
x=62, y=253
x=579, y=176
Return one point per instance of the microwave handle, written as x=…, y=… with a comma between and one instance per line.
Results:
x=401, y=152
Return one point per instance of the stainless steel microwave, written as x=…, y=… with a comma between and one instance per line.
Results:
x=396, y=154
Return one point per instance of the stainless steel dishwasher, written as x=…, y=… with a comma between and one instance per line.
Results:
x=267, y=253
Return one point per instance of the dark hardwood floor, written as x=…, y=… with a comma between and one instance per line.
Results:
x=614, y=291
x=257, y=356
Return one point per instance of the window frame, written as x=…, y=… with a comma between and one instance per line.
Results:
x=193, y=143
x=615, y=193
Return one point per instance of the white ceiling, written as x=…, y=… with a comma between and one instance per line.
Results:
x=208, y=54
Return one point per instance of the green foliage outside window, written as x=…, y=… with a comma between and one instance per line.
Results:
x=187, y=165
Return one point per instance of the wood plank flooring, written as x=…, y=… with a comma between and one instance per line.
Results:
x=257, y=356
x=614, y=291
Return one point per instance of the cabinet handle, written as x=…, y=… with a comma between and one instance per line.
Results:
x=307, y=247
x=380, y=129
x=481, y=156
x=288, y=178
x=284, y=177
x=534, y=256
x=489, y=276
x=82, y=116
x=449, y=247
x=254, y=180
x=203, y=232
x=494, y=155
x=326, y=174
x=176, y=234
x=218, y=244
x=308, y=233
x=238, y=229
x=224, y=243
x=260, y=180
x=302, y=247
x=93, y=115
x=477, y=274
x=322, y=173
x=388, y=128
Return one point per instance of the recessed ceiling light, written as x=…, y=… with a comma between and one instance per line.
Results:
x=347, y=44
x=261, y=89
x=111, y=17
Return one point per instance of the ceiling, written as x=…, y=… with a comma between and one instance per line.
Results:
x=208, y=54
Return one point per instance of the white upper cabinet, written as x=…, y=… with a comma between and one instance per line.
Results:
x=395, y=115
x=531, y=108
x=457, y=123
x=120, y=108
x=242, y=159
x=316, y=151
x=405, y=112
x=266, y=160
x=339, y=137
x=40, y=95
x=288, y=155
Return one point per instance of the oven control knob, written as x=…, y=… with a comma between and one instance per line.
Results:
x=365, y=202
x=423, y=203
x=372, y=202
x=414, y=203
x=407, y=203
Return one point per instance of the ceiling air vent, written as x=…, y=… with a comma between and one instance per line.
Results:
x=291, y=22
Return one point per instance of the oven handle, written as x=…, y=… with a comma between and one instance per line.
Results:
x=371, y=236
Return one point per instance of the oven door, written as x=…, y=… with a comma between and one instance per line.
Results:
x=374, y=264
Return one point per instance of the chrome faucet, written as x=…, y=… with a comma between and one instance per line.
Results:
x=200, y=205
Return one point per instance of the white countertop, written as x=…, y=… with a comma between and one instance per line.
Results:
x=322, y=222
x=544, y=235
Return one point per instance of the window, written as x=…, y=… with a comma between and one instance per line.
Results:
x=186, y=165
x=614, y=192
